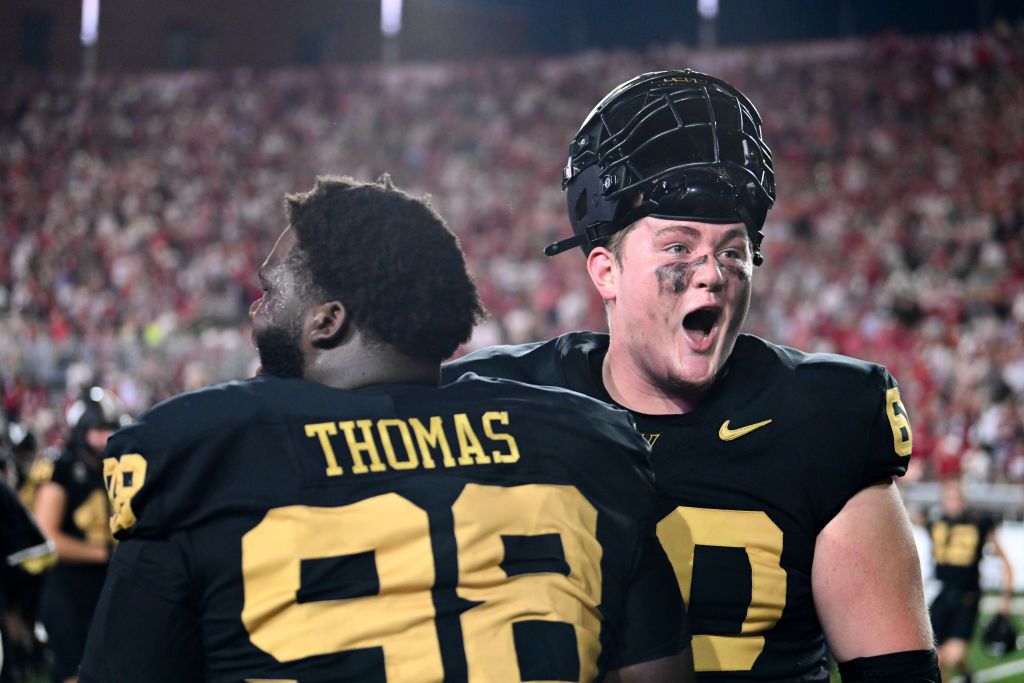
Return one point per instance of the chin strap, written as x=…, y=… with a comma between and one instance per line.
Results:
x=590, y=236
x=593, y=235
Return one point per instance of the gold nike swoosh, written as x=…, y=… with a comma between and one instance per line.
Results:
x=726, y=434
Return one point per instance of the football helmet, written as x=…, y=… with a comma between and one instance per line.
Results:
x=96, y=409
x=671, y=144
x=999, y=636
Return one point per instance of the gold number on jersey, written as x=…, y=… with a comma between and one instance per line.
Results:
x=955, y=545
x=682, y=530
x=92, y=517
x=399, y=618
x=123, y=477
x=482, y=515
x=902, y=437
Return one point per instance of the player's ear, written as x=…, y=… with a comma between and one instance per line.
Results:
x=604, y=272
x=328, y=323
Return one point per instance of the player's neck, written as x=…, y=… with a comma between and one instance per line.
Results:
x=630, y=388
x=371, y=365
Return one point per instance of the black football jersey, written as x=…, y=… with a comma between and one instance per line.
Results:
x=86, y=508
x=86, y=517
x=486, y=531
x=957, y=545
x=747, y=480
x=22, y=545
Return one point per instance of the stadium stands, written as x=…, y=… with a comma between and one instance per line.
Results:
x=134, y=208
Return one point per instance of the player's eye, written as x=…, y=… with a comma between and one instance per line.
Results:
x=678, y=249
x=733, y=253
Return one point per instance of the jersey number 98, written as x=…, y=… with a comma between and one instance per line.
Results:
x=399, y=616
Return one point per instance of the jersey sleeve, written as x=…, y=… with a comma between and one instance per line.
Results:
x=145, y=619
x=862, y=435
x=40, y=472
x=655, y=623
x=159, y=471
x=891, y=439
x=23, y=544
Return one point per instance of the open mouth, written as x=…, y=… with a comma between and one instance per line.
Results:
x=699, y=324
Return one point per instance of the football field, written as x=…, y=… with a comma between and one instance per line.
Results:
x=987, y=669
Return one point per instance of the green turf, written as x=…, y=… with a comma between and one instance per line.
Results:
x=978, y=659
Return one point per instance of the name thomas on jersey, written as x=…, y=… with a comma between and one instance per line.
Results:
x=488, y=530
x=408, y=444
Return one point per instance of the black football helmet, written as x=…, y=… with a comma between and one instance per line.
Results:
x=999, y=636
x=670, y=144
x=96, y=409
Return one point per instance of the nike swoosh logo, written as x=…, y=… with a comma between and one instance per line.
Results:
x=726, y=434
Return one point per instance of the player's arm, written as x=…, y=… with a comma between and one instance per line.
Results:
x=866, y=581
x=675, y=669
x=1007, y=572
x=50, y=502
x=145, y=625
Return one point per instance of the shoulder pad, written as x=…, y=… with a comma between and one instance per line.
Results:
x=155, y=467
x=41, y=471
x=868, y=397
x=535, y=363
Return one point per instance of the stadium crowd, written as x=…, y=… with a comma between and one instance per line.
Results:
x=134, y=208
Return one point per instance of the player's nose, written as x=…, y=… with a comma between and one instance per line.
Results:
x=709, y=274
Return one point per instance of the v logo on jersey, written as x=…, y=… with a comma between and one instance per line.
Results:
x=726, y=434
x=651, y=438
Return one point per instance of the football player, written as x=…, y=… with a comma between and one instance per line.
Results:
x=341, y=518
x=774, y=466
x=71, y=508
x=26, y=554
x=958, y=538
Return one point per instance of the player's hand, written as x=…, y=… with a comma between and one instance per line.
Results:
x=102, y=551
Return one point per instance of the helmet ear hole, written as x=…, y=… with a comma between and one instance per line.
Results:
x=581, y=206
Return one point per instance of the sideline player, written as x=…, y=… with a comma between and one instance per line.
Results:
x=25, y=553
x=774, y=465
x=341, y=518
x=71, y=508
x=958, y=538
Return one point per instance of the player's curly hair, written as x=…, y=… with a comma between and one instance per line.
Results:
x=390, y=259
